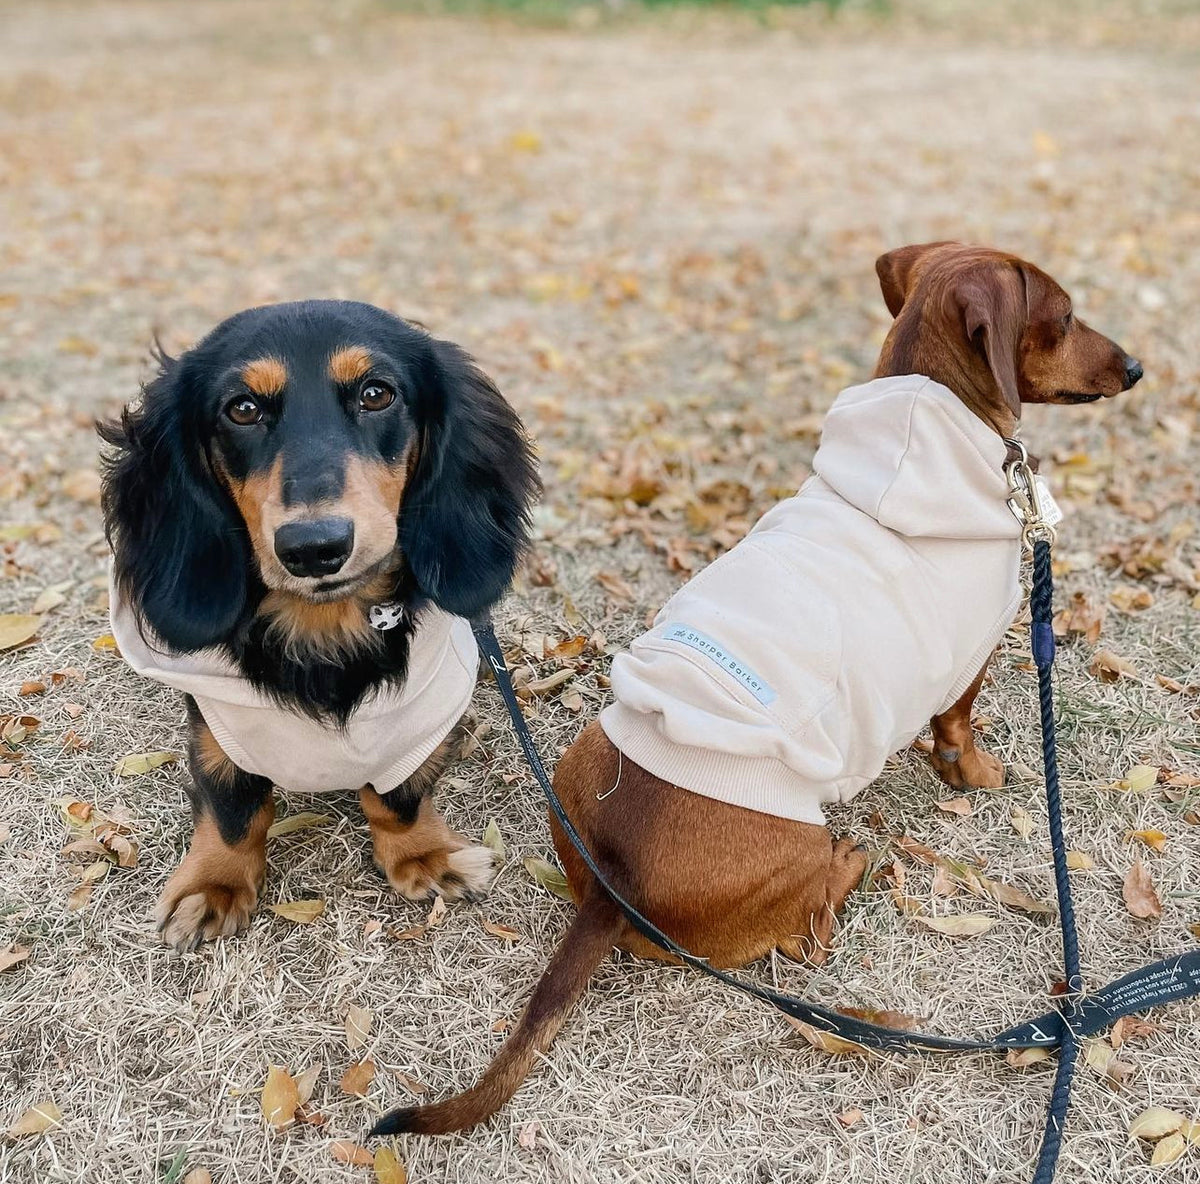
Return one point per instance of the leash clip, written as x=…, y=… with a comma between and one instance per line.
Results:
x=1025, y=499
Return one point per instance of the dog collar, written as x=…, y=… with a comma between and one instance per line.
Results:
x=385, y=616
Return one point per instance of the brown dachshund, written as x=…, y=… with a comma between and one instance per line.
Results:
x=732, y=883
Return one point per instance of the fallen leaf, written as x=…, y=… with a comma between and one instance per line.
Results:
x=1155, y=1123
x=33, y=687
x=17, y=628
x=1108, y=667
x=294, y=822
x=198, y=1176
x=1168, y=1150
x=83, y=485
x=965, y=925
x=36, y=1120
x=388, y=1169
x=1102, y=1058
x=357, y=1079
x=409, y=934
x=1154, y=839
x=138, y=763
x=848, y=1118
x=571, y=648
x=1022, y=1058
x=548, y=876
x=1130, y=600
x=105, y=644
x=492, y=838
x=52, y=597
x=1080, y=861
x=1022, y=822
x=280, y=1097
x=14, y=955
x=527, y=1137
x=827, y=1041
x=411, y=1083
x=943, y=883
x=79, y=897
x=502, y=931
x=437, y=913
x=346, y=1152
x=303, y=912
x=543, y=686
x=959, y=806
x=1140, y=896
x=1080, y=618
x=307, y=1082
x=1139, y=779
x=614, y=585
x=358, y=1026
x=1129, y=1027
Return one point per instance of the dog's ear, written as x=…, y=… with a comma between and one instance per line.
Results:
x=994, y=307
x=179, y=548
x=895, y=270
x=464, y=521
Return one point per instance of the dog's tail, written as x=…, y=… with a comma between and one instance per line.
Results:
x=592, y=934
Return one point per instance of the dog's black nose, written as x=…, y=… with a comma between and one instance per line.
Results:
x=315, y=548
x=1133, y=372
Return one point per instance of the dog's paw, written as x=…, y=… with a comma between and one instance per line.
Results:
x=191, y=911
x=974, y=769
x=455, y=873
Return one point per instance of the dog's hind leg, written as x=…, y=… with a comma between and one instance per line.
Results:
x=957, y=761
x=847, y=863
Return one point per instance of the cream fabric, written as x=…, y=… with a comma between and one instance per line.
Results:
x=386, y=740
x=785, y=673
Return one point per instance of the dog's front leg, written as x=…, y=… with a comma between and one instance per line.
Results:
x=954, y=756
x=214, y=890
x=420, y=855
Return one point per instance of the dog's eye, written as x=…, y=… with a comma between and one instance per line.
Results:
x=374, y=396
x=244, y=411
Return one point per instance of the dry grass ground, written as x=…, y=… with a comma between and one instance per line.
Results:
x=659, y=238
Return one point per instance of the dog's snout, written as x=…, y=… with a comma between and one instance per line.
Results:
x=1133, y=371
x=315, y=548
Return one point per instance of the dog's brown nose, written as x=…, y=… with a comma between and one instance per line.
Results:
x=315, y=548
x=1133, y=371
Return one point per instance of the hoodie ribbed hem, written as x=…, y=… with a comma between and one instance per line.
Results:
x=756, y=783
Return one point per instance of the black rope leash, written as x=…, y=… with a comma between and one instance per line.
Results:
x=1080, y=1015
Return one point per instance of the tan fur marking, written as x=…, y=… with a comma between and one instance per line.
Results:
x=349, y=364
x=330, y=628
x=265, y=376
x=210, y=757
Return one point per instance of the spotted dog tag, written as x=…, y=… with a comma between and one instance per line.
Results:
x=385, y=616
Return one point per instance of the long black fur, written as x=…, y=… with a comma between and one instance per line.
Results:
x=182, y=554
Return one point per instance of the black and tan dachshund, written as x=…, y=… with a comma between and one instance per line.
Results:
x=302, y=511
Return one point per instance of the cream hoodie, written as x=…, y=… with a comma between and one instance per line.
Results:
x=785, y=673
x=388, y=738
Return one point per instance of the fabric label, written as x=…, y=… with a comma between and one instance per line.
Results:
x=711, y=649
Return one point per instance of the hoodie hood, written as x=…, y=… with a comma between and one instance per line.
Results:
x=907, y=451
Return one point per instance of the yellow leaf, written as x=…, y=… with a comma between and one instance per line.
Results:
x=548, y=876
x=1168, y=1150
x=525, y=141
x=198, y=1176
x=492, y=838
x=346, y=1152
x=388, y=1169
x=105, y=644
x=303, y=912
x=17, y=628
x=295, y=822
x=280, y=1097
x=358, y=1026
x=967, y=925
x=357, y=1079
x=138, y=763
x=1155, y=1123
x=1138, y=780
x=1080, y=861
x=1155, y=839
x=36, y=1119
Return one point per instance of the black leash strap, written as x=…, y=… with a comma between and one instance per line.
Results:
x=1080, y=1015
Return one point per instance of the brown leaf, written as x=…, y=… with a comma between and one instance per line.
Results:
x=543, y=686
x=963, y=925
x=33, y=687
x=1022, y=1058
x=527, y=1137
x=198, y=1176
x=1129, y=1027
x=357, y=1079
x=36, y=1120
x=346, y=1152
x=848, y=1118
x=615, y=586
x=1080, y=618
x=306, y=1083
x=302, y=912
x=1131, y=600
x=1108, y=667
x=959, y=806
x=502, y=931
x=80, y=896
x=1154, y=839
x=827, y=1041
x=571, y=648
x=437, y=913
x=17, y=628
x=1139, y=893
x=280, y=1097
x=411, y=1083
x=1102, y=1058
x=12, y=956
x=358, y=1026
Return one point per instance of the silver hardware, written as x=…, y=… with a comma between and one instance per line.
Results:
x=1024, y=498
